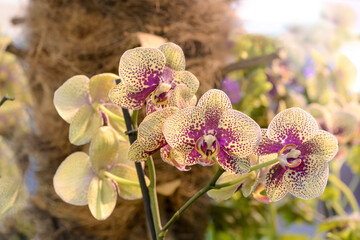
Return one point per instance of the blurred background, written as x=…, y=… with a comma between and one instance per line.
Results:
x=266, y=55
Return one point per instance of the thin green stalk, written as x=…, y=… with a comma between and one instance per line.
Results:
x=153, y=195
x=347, y=192
x=338, y=208
x=121, y=180
x=205, y=189
x=272, y=209
x=134, y=118
x=353, y=185
x=265, y=164
x=111, y=114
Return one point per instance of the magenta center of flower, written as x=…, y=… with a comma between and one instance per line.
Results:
x=208, y=146
x=161, y=94
x=288, y=156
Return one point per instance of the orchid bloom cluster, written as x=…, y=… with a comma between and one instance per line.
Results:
x=291, y=155
x=95, y=179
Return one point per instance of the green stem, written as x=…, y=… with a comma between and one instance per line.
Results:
x=111, y=114
x=153, y=195
x=272, y=209
x=347, y=192
x=121, y=180
x=134, y=118
x=338, y=208
x=205, y=189
x=265, y=164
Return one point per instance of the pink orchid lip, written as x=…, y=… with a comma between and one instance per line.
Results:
x=160, y=95
x=289, y=152
x=208, y=146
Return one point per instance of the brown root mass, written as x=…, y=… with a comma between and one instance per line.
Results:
x=69, y=37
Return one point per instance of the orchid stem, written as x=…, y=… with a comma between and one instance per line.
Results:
x=272, y=211
x=346, y=190
x=121, y=180
x=153, y=195
x=262, y=165
x=141, y=176
x=111, y=114
x=176, y=215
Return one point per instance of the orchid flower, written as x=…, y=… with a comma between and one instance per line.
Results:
x=303, y=151
x=79, y=102
x=212, y=132
x=96, y=180
x=151, y=75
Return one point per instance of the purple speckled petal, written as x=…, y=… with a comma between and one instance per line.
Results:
x=136, y=151
x=141, y=68
x=151, y=107
x=214, y=103
x=275, y=186
x=150, y=135
x=174, y=55
x=168, y=155
x=292, y=125
x=238, y=134
x=233, y=164
x=323, y=147
x=181, y=97
x=308, y=180
x=267, y=146
x=344, y=125
x=187, y=78
x=183, y=128
x=121, y=96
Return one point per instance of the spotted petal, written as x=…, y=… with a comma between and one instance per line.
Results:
x=71, y=96
x=188, y=79
x=322, y=147
x=126, y=191
x=238, y=134
x=150, y=135
x=100, y=86
x=141, y=68
x=213, y=104
x=84, y=125
x=104, y=149
x=174, y=55
x=308, y=180
x=183, y=128
x=170, y=156
x=292, y=125
x=275, y=186
x=266, y=145
x=233, y=164
x=72, y=179
x=122, y=96
x=101, y=198
x=181, y=97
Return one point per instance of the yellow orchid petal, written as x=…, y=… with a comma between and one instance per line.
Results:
x=72, y=179
x=101, y=198
x=104, y=149
x=71, y=96
x=100, y=85
x=84, y=125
